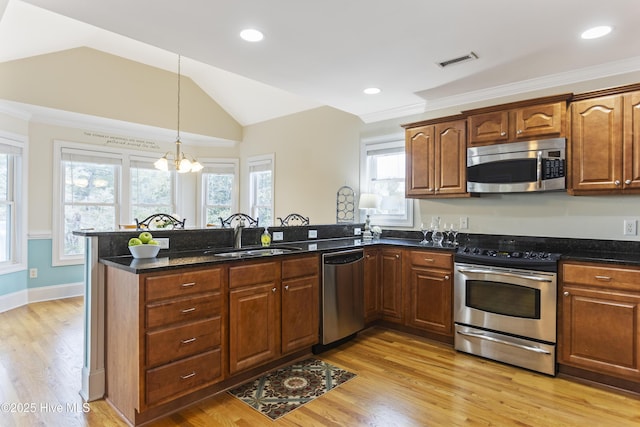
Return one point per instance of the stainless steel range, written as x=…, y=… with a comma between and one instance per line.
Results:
x=505, y=306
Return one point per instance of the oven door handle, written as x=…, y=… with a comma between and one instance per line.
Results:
x=505, y=342
x=504, y=273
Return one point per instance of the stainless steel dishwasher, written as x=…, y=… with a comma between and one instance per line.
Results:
x=342, y=295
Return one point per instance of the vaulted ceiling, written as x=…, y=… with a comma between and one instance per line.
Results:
x=326, y=52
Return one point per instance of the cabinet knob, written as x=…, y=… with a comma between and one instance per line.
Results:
x=397, y=256
x=519, y=131
x=616, y=182
x=627, y=181
x=286, y=288
x=274, y=289
x=566, y=293
x=446, y=277
x=503, y=133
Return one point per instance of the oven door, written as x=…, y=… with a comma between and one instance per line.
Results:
x=513, y=301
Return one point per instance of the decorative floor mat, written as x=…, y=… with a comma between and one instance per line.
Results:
x=279, y=392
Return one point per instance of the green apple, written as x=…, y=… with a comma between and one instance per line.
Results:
x=145, y=237
x=152, y=242
x=134, y=241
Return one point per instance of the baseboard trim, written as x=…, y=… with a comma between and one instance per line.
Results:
x=43, y=293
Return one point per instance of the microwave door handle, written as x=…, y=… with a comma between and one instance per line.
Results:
x=539, y=170
x=504, y=273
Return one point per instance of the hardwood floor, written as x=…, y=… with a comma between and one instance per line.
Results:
x=402, y=381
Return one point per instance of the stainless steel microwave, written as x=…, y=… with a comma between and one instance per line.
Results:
x=517, y=167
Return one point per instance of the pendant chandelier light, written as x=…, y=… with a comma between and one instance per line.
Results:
x=181, y=160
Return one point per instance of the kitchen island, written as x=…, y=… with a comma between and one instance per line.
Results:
x=390, y=301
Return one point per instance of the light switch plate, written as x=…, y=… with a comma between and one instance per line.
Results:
x=278, y=236
x=313, y=234
x=357, y=231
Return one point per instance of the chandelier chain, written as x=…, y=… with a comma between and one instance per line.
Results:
x=178, y=125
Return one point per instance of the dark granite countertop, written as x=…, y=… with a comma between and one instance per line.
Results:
x=202, y=257
x=603, y=256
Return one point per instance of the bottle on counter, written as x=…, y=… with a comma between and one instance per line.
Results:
x=265, y=239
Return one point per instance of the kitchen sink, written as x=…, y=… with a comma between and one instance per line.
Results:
x=246, y=253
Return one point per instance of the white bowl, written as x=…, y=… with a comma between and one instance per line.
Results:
x=144, y=251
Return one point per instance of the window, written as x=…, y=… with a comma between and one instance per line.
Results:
x=219, y=190
x=384, y=174
x=261, y=184
x=11, y=206
x=152, y=190
x=89, y=195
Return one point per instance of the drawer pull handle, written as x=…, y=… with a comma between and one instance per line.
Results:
x=189, y=341
x=186, y=377
x=188, y=285
x=603, y=278
x=188, y=310
x=429, y=259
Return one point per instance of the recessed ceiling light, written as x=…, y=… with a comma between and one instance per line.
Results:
x=596, y=32
x=372, y=91
x=251, y=35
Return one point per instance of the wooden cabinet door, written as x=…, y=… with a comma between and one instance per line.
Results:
x=254, y=326
x=391, y=281
x=631, y=140
x=300, y=313
x=546, y=120
x=430, y=300
x=601, y=331
x=419, y=152
x=489, y=128
x=451, y=157
x=596, y=144
x=372, y=288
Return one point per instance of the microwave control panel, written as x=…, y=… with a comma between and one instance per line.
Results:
x=552, y=168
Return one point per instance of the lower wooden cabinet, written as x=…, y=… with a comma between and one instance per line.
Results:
x=600, y=319
x=391, y=284
x=273, y=310
x=372, y=288
x=429, y=285
x=164, y=336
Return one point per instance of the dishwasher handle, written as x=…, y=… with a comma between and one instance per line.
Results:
x=341, y=258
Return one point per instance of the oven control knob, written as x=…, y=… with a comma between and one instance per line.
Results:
x=533, y=255
x=476, y=251
x=466, y=250
x=516, y=254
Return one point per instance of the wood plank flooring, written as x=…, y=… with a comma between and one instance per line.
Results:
x=402, y=381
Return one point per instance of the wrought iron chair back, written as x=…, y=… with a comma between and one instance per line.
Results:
x=294, y=219
x=236, y=217
x=160, y=221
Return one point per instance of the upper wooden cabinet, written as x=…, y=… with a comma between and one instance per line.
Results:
x=544, y=117
x=436, y=159
x=605, y=145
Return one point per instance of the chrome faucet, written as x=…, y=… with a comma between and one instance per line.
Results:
x=237, y=234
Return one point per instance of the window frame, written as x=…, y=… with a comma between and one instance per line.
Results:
x=18, y=240
x=123, y=201
x=390, y=142
x=127, y=199
x=209, y=163
x=253, y=161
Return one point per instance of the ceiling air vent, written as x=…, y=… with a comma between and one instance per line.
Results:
x=459, y=59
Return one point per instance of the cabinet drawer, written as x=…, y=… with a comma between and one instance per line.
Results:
x=252, y=274
x=171, y=344
x=183, y=310
x=602, y=276
x=300, y=267
x=431, y=259
x=188, y=283
x=183, y=376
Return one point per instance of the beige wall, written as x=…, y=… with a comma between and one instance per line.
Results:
x=88, y=81
x=316, y=153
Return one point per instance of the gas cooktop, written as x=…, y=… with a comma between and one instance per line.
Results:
x=529, y=259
